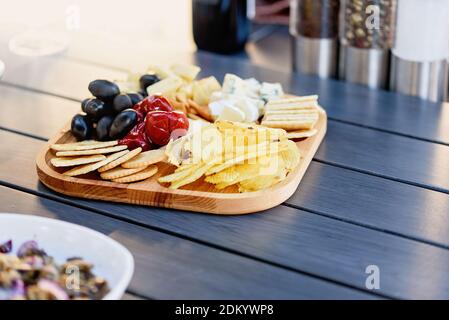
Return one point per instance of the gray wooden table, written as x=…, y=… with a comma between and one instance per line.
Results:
x=375, y=194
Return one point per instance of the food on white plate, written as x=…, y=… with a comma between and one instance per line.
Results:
x=248, y=96
x=298, y=113
x=32, y=274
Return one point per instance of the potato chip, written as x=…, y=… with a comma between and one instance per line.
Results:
x=195, y=175
x=179, y=174
x=291, y=156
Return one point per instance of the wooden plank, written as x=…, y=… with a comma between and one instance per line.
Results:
x=59, y=76
x=168, y=267
x=33, y=113
x=340, y=193
x=303, y=241
x=388, y=155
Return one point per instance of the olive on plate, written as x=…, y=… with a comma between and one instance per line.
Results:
x=81, y=127
x=143, y=93
x=123, y=123
x=95, y=109
x=135, y=97
x=104, y=90
x=122, y=102
x=103, y=126
x=147, y=80
x=83, y=104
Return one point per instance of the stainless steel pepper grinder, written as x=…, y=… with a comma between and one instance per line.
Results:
x=366, y=37
x=419, y=60
x=314, y=36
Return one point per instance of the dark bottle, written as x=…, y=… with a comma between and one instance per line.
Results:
x=220, y=25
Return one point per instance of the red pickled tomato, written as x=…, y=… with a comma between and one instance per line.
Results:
x=153, y=103
x=160, y=125
x=136, y=138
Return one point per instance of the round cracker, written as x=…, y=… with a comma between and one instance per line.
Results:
x=119, y=172
x=146, y=158
x=83, y=145
x=91, y=151
x=142, y=175
x=121, y=160
x=76, y=161
x=94, y=166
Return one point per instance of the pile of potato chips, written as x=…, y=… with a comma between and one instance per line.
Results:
x=227, y=153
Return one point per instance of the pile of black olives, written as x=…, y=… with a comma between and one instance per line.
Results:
x=108, y=115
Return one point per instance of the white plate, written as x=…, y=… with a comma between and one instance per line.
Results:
x=63, y=240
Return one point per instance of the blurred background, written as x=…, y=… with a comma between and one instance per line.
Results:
x=376, y=43
x=106, y=31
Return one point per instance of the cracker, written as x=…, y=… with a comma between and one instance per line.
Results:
x=90, y=152
x=146, y=158
x=119, y=172
x=203, y=111
x=75, y=161
x=301, y=134
x=142, y=175
x=121, y=160
x=83, y=145
x=94, y=166
x=290, y=125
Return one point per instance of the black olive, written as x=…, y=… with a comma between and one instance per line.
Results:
x=81, y=127
x=143, y=93
x=123, y=123
x=122, y=102
x=103, y=126
x=147, y=80
x=135, y=97
x=104, y=90
x=83, y=104
x=95, y=109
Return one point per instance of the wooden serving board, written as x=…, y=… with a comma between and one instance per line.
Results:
x=199, y=196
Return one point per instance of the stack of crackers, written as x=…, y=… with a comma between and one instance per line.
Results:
x=297, y=115
x=113, y=161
